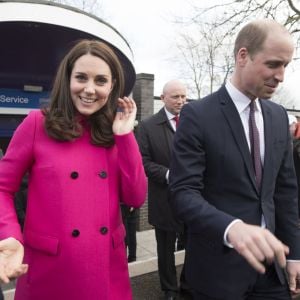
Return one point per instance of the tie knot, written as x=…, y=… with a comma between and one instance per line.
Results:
x=253, y=106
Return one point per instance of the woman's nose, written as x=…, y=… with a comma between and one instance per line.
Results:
x=89, y=89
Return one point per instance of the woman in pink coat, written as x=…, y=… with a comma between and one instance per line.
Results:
x=82, y=160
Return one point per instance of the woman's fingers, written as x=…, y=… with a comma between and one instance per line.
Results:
x=126, y=106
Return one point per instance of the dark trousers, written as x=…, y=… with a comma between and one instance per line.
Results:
x=166, y=260
x=266, y=287
x=131, y=237
x=130, y=222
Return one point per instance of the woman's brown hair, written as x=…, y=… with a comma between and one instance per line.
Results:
x=61, y=120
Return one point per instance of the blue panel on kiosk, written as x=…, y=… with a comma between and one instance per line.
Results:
x=21, y=99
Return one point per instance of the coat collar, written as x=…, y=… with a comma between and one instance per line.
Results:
x=162, y=118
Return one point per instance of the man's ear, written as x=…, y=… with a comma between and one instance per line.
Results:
x=242, y=57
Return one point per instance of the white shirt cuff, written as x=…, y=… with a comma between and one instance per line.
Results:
x=293, y=260
x=167, y=177
x=226, y=243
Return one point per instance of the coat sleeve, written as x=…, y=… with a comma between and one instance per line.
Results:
x=133, y=183
x=187, y=179
x=155, y=171
x=13, y=166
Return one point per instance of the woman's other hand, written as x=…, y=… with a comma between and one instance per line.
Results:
x=11, y=257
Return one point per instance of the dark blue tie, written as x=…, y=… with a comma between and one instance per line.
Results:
x=255, y=145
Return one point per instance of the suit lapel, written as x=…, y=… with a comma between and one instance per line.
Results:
x=268, y=141
x=234, y=121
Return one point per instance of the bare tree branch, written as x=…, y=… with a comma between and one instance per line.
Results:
x=293, y=7
x=218, y=24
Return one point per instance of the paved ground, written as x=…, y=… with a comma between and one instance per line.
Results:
x=151, y=287
x=143, y=272
x=146, y=244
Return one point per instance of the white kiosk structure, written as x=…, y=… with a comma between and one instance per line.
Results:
x=35, y=35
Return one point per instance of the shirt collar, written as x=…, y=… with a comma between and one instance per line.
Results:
x=169, y=115
x=240, y=100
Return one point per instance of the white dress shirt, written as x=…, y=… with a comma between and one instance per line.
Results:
x=171, y=119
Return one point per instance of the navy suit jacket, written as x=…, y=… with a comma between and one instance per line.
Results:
x=212, y=183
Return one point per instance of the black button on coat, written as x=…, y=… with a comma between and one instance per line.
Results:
x=103, y=174
x=74, y=175
x=75, y=233
x=103, y=230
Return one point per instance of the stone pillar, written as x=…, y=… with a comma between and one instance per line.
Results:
x=143, y=94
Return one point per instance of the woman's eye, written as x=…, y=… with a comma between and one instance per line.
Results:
x=101, y=81
x=80, y=77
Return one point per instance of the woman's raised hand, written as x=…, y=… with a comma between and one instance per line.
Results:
x=125, y=116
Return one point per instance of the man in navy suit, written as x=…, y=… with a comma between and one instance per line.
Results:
x=242, y=215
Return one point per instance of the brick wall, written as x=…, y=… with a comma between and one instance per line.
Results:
x=143, y=94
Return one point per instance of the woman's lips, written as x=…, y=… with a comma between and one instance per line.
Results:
x=87, y=100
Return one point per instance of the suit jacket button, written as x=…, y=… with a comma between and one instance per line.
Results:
x=103, y=174
x=103, y=230
x=74, y=175
x=75, y=233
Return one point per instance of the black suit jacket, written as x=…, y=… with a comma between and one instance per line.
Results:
x=212, y=183
x=155, y=139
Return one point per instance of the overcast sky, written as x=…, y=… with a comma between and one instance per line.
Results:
x=148, y=27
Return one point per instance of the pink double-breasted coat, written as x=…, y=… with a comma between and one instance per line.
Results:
x=73, y=234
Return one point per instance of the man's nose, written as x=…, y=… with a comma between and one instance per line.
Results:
x=280, y=74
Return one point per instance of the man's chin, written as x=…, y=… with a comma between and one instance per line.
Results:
x=266, y=95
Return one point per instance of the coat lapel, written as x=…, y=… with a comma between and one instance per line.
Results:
x=234, y=121
x=168, y=131
x=267, y=164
